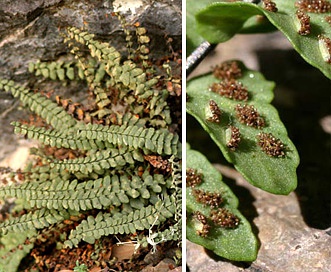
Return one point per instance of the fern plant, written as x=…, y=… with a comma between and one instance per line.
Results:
x=122, y=174
x=233, y=105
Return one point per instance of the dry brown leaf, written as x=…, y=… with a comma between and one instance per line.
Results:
x=123, y=251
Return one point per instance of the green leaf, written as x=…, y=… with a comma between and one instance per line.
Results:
x=238, y=244
x=193, y=39
x=89, y=238
x=220, y=21
x=273, y=174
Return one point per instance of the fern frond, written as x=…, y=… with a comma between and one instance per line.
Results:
x=160, y=141
x=103, y=224
x=142, y=50
x=54, y=115
x=127, y=74
x=103, y=51
x=93, y=76
x=43, y=173
x=129, y=119
x=128, y=35
x=174, y=232
x=55, y=70
x=38, y=219
x=57, y=138
x=158, y=106
x=92, y=194
x=95, y=161
x=59, y=194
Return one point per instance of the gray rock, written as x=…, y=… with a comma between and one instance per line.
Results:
x=29, y=30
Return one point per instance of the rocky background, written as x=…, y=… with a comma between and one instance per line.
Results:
x=294, y=231
x=29, y=31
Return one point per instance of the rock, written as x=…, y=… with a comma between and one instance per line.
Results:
x=30, y=30
x=164, y=265
x=153, y=257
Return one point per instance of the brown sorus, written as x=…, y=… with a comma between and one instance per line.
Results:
x=210, y=199
x=204, y=230
x=193, y=178
x=230, y=88
x=234, y=138
x=227, y=70
x=224, y=218
x=328, y=19
x=213, y=112
x=248, y=115
x=304, y=22
x=272, y=146
x=270, y=6
x=316, y=6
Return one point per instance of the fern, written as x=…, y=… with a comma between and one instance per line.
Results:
x=128, y=76
x=103, y=224
x=92, y=194
x=55, y=138
x=93, y=78
x=38, y=219
x=54, y=115
x=160, y=141
x=98, y=160
x=105, y=170
x=55, y=70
